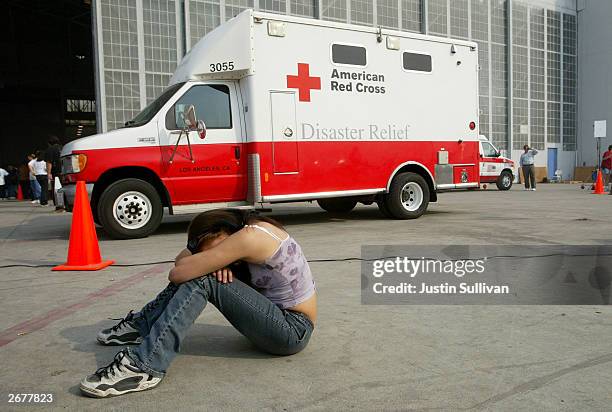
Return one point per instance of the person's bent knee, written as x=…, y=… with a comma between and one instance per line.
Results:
x=285, y=350
x=288, y=345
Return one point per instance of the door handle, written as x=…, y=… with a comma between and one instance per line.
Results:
x=237, y=152
x=288, y=132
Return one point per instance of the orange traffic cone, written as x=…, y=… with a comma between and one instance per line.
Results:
x=83, y=251
x=19, y=193
x=599, y=188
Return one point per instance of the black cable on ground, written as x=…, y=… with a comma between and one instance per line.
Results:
x=347, y=259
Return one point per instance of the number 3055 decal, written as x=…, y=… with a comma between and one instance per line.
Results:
x=221, y=67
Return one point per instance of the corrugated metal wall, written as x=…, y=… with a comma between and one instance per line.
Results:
x=526, y=97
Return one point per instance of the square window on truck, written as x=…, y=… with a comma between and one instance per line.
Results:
x=212, y=103
x=416, y=62
x=351, y=55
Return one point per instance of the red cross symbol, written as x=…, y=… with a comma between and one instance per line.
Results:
x=303, y=82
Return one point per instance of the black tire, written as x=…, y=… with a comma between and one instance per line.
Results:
x=393, y=199
x=382, y=206
x=135, y=203
x=338, y=204
x=504, y=180
x=95, y=217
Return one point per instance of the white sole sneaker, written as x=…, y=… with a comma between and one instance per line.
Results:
x=117, y=341
x=107, y=393
x=120, y=377
x=123, y=333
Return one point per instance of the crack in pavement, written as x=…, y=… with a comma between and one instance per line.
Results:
x=541, y=381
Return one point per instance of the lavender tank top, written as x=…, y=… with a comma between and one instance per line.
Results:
x=285, y=277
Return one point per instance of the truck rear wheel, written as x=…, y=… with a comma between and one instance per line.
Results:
x=408, y=196
x=130, y=209
x=504, y=180
x=337, y=205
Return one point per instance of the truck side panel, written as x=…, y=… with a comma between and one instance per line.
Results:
x=357, y=124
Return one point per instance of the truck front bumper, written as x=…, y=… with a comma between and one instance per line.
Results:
x=69, y=193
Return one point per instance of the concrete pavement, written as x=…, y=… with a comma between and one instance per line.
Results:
x=360, y=357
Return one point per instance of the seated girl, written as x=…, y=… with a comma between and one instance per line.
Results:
x=276, y=310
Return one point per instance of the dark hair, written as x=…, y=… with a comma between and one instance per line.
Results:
x=210, y=224
x=610, y=147
x=53, y=140
x=39, y=155
x=526, y=147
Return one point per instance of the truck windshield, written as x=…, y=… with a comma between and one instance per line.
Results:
x=152, y=108
x=488, y=150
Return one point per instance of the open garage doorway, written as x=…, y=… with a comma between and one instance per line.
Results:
x=46, y=75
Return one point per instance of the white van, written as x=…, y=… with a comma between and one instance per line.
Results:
x=494, y=168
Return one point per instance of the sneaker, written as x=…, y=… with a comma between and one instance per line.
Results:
x=123, y=333
x=121, y=376
x=35, y=201
x=533, y=189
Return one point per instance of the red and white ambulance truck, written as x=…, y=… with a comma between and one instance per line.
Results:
x=495, y=168
x=290, y=109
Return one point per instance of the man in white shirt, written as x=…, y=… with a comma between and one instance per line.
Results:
x=527, y=163
x=39, y=168
x=33, y=182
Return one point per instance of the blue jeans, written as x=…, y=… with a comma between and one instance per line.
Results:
x=35, y=189
x=164, y=322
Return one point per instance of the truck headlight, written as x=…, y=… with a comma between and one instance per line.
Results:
x=74, y=163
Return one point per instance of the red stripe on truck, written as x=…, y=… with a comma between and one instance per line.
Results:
x=217, y=175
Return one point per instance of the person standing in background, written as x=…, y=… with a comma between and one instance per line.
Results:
x=526, y=162
x=3, y=174
x=52, y=156
x=42, y=176
x=606, y=166
x=24, y=181
x=33, y=182
x=11, y=181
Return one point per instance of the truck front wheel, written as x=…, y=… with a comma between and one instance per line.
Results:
x=129, y=209
x=504, y=180
x=337, y=205
x=408, y=196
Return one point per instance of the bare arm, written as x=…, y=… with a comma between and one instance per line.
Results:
x=49, y=167
x=242, y=245
x=183, y=253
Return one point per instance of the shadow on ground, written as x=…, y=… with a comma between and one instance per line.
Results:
x=222, y=341
x=50, y=227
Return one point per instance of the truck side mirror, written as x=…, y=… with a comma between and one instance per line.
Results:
x=201, y=129
x=189, y=117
